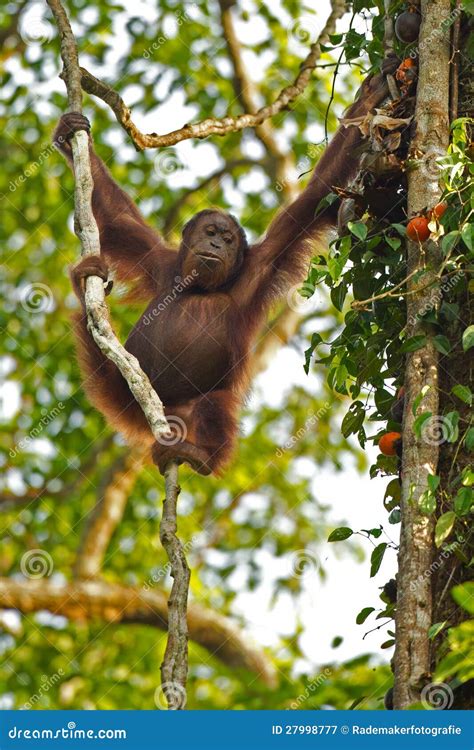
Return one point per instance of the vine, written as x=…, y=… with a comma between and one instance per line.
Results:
x=369, y=280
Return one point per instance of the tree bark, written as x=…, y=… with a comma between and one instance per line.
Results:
x=412, y=661
x=115, y=605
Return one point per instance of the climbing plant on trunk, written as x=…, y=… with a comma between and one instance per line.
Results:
x=400, y=271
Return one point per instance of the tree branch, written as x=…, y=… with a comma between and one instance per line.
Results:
x=420, y=454
x=115, y=604
x=211, y=125
x=107, y=513
x=174, y=668
x=86, y=229
x=97, y=313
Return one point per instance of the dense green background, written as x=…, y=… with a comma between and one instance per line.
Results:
x=117, y=666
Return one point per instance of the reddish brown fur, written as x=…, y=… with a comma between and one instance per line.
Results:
x=197, y=355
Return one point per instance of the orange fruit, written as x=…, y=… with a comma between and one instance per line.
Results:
x=417, y=229
x=439, y=210
x=387, y=443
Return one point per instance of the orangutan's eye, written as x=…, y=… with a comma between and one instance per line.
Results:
x=210, y=231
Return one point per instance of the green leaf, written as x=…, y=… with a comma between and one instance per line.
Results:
x=402, y=230
x=469, y=439
x=451, y=422
x=353, y=420
x=419, y=422
x=394, y=242
x=358, y=229
x=468, y=338
x=433, y=482
x=463, y=392
x=383, y=401
x=413, y=344
x=427, y=503
x=444, y=527
x=436, y=629
x=373, y=532
x=463, y=501
x=464, y=596
x=338, y=535
x=449, y=241
x=395, y=516
x=388, y=644
x=417, y=401
x=468, y=236
x=336, y=642
x=363, y=615
x=393, y=490
x=467, y=477
x=442, y=344
x=376, y=558
x=338, y=295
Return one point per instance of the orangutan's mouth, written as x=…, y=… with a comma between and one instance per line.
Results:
x=210, y=257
